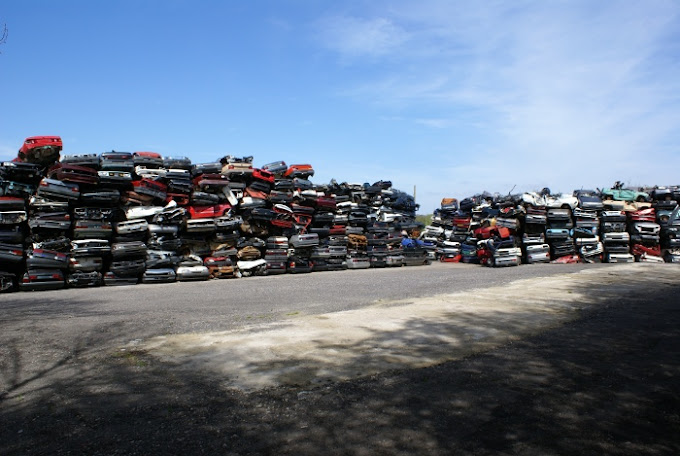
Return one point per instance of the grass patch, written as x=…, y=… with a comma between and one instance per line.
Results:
x=424, y=219
x=131, y=358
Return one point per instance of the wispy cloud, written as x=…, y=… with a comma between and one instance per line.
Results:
x=576, y=91
x=280, y=24
x=354, y=37
x=435, y=123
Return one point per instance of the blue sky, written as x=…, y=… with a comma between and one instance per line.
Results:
x=453, y=97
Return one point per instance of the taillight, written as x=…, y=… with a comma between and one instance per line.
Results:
x=17, y=252
x=56, y=276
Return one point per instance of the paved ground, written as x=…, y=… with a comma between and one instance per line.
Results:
x=594, y=373
x=415, y=332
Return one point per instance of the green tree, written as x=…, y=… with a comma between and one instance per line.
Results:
x=424, y=219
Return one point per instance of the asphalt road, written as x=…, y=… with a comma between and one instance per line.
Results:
x=146, y=310
x=605, y=383
x=44, y=328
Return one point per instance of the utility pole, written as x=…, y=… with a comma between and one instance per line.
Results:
x=414, y=193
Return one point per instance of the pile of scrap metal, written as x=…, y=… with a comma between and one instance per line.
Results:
x=120, y=218
x=610, y=225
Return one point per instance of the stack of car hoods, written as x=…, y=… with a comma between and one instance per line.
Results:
x=612, y=225
x=119, y=218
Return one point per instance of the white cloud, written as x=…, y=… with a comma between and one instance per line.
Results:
x=435, y=123
x=561, y=94
x=354, y=37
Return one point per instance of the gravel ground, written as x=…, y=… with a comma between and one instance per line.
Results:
x=605, y=383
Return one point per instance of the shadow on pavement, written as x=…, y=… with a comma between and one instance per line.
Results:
x=606, y=384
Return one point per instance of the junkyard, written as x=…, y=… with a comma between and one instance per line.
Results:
x=352, y=228
x=122, y=218
x=226, y=343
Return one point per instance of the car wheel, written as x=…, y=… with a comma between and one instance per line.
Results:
x=641, y=199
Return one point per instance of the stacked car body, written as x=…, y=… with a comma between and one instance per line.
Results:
x=479, y=229
x=612, y=225
x=121, y=218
